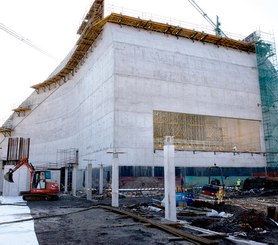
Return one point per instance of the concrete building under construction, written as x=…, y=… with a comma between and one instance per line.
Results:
x=129, y=82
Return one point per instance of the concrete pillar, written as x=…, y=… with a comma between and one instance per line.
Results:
x=1, y=177
x=89, y=181
x=115, y=180
x=74, y=180
x=101, y=179
x=66, y=180
x=169, y=179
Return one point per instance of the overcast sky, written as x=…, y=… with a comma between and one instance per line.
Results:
x=52, y=25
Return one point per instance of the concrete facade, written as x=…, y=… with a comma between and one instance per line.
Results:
x=108, y=104
x=160, y=72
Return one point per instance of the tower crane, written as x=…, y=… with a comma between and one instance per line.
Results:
x=216, y=26
x=25, y=40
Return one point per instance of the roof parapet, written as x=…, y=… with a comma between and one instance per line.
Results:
x=92, y=26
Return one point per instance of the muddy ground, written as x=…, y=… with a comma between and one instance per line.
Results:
x=72, y=220
x=84, y=224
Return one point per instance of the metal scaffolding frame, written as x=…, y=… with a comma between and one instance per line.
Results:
x=67, y=157
x=208, y=133
x=268, y=78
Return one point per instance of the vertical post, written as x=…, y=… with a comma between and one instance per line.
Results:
x=115, y=180
x=1, y=177
x=101, y=179
x=152, y=171
x=265, y=170
x=89, y=181
x=74, y=180
x=169, y=180
x=66, y=180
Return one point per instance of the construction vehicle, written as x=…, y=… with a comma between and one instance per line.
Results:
x=184, y=197
x=40, y=187
x=214, y=189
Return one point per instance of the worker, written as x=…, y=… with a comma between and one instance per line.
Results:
x=220, y=195
x=215, y=182
x=182, y=184
x=238, y=184
x=41, y=184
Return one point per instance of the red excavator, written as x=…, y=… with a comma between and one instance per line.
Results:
x=40, y=187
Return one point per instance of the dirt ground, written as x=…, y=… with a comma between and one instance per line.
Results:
x=72, y=220
x=84, y=224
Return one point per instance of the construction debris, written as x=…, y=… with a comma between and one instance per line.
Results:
x=225, y=223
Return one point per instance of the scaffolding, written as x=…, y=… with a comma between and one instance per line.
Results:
x=67, y=157
x=268, y=78
x=206, y=133
x=93, y=24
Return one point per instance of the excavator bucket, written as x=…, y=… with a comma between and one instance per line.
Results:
x=9, y=177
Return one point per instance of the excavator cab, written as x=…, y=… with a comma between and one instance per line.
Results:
x=39, y=179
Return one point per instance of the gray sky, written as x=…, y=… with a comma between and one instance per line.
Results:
x=52, y=25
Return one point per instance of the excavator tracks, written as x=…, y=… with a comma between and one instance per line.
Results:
x=39, y=197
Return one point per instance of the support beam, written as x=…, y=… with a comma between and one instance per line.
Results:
x=89, y=181
x=101, y=179
x=1, y=175
x=152, y=171
x=169, y=179
x=66, y=180
x=115, y=180
x=74, y=180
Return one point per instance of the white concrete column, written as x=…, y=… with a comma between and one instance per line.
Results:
x=74, y=180
x=1, y=177
x=115, y=180
x=89, y=181
x=169, y=179
x=66, y=180
x=152, y=171
x=101, y=179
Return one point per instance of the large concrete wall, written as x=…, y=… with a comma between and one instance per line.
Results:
x=109, y=103
x=79, y=114
x=159, y=72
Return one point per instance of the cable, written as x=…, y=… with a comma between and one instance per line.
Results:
x=25, y=40
x=12, y=204
x=48, y=216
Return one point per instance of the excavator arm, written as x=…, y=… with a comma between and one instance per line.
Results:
x=24, y=161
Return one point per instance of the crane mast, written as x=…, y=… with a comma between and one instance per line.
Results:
x=216, y=26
